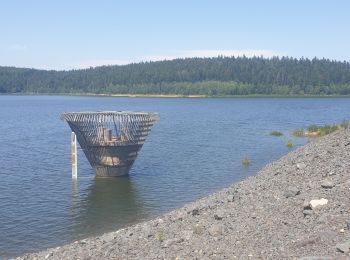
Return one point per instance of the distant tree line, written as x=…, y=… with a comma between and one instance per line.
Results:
x=190, y=76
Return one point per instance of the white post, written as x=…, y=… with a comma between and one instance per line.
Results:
x=74, y=156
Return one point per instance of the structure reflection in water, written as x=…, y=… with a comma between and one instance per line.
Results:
x=110, y=204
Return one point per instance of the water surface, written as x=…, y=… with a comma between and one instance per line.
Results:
x=196, y=148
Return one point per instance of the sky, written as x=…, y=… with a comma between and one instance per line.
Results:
x=74, y=34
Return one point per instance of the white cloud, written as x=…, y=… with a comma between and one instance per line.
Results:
x=165, y=55
x=96, y=63
x=84, y=64
x=211, y=53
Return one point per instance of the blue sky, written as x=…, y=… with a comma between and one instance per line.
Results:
x=79, y=34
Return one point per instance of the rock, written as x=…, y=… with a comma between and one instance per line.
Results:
x=187, y=234
x=343, y=247
x=348, y=225
x=198, y=230
x=194, y=212
x=291, y=191
x=328, y=236
x=48, y=255
x=317, y=203
x=306, y=204
x=301, y=166
x=230, y=198
x=170, y=242
x=317, y=258
x=216, y=217
x=219, y=215
x=307, y=212
x=108, y=237
x=327, y=184
x=216, y=230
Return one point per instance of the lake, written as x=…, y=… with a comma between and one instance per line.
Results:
x=194, y=149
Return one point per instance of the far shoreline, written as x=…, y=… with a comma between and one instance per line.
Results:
x=174, y=95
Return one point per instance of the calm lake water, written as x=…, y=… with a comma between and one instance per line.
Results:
x=195, y=149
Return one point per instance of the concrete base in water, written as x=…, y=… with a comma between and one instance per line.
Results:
x=108, y=171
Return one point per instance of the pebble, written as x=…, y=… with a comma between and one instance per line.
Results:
x=230, y=198
x=301, y=166
x=344, y=247
x=194, y=212
x=308, y=212
x=198, y=229
x=291, y=191
x=317, y=203
x=187, y=234
x=306, y=204
x=327, y=184
x=216, y=230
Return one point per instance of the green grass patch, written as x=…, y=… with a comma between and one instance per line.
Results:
x=160, y=236
x=290, y=143
x=276, y=133
x=327, y=129
x=299, y=132
x=246, y=162
x=313, y=128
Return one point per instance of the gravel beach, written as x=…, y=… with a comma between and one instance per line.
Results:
x=295, y=208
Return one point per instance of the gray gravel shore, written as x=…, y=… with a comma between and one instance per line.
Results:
x=296, y=207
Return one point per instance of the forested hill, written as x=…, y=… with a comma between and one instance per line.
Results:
x=191, y=76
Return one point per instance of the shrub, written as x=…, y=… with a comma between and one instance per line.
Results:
x=276, y=133
x=313, y=128
x=290, y=143
x=298, y=132
x=345, y=124
x=160, y=236
x=246, y=162
x=327, y=129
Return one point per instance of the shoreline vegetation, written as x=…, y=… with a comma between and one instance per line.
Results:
x=173, y=95
x=319, y=130
x=297, y=206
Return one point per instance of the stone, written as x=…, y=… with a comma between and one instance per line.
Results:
x=327, y=184
x=348, y=225
x=301, y=166
x=198, y=229
x=216, y=230
x=170, y=242
x=306, y=204
x=317, y=203
x=194, y=212
x=291, y=191
x=216, y=217
x=317, y=258
x=328, y=236
x=307, y=212
x=230, y=198
x=331, y=173
x=343, y=247
x=187, y=234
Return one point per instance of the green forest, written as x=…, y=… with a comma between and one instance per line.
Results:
x=219, y=76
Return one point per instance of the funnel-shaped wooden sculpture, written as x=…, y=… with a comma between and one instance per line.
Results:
x=110, y=139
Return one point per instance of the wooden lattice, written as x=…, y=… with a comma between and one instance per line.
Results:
x=109, y=139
